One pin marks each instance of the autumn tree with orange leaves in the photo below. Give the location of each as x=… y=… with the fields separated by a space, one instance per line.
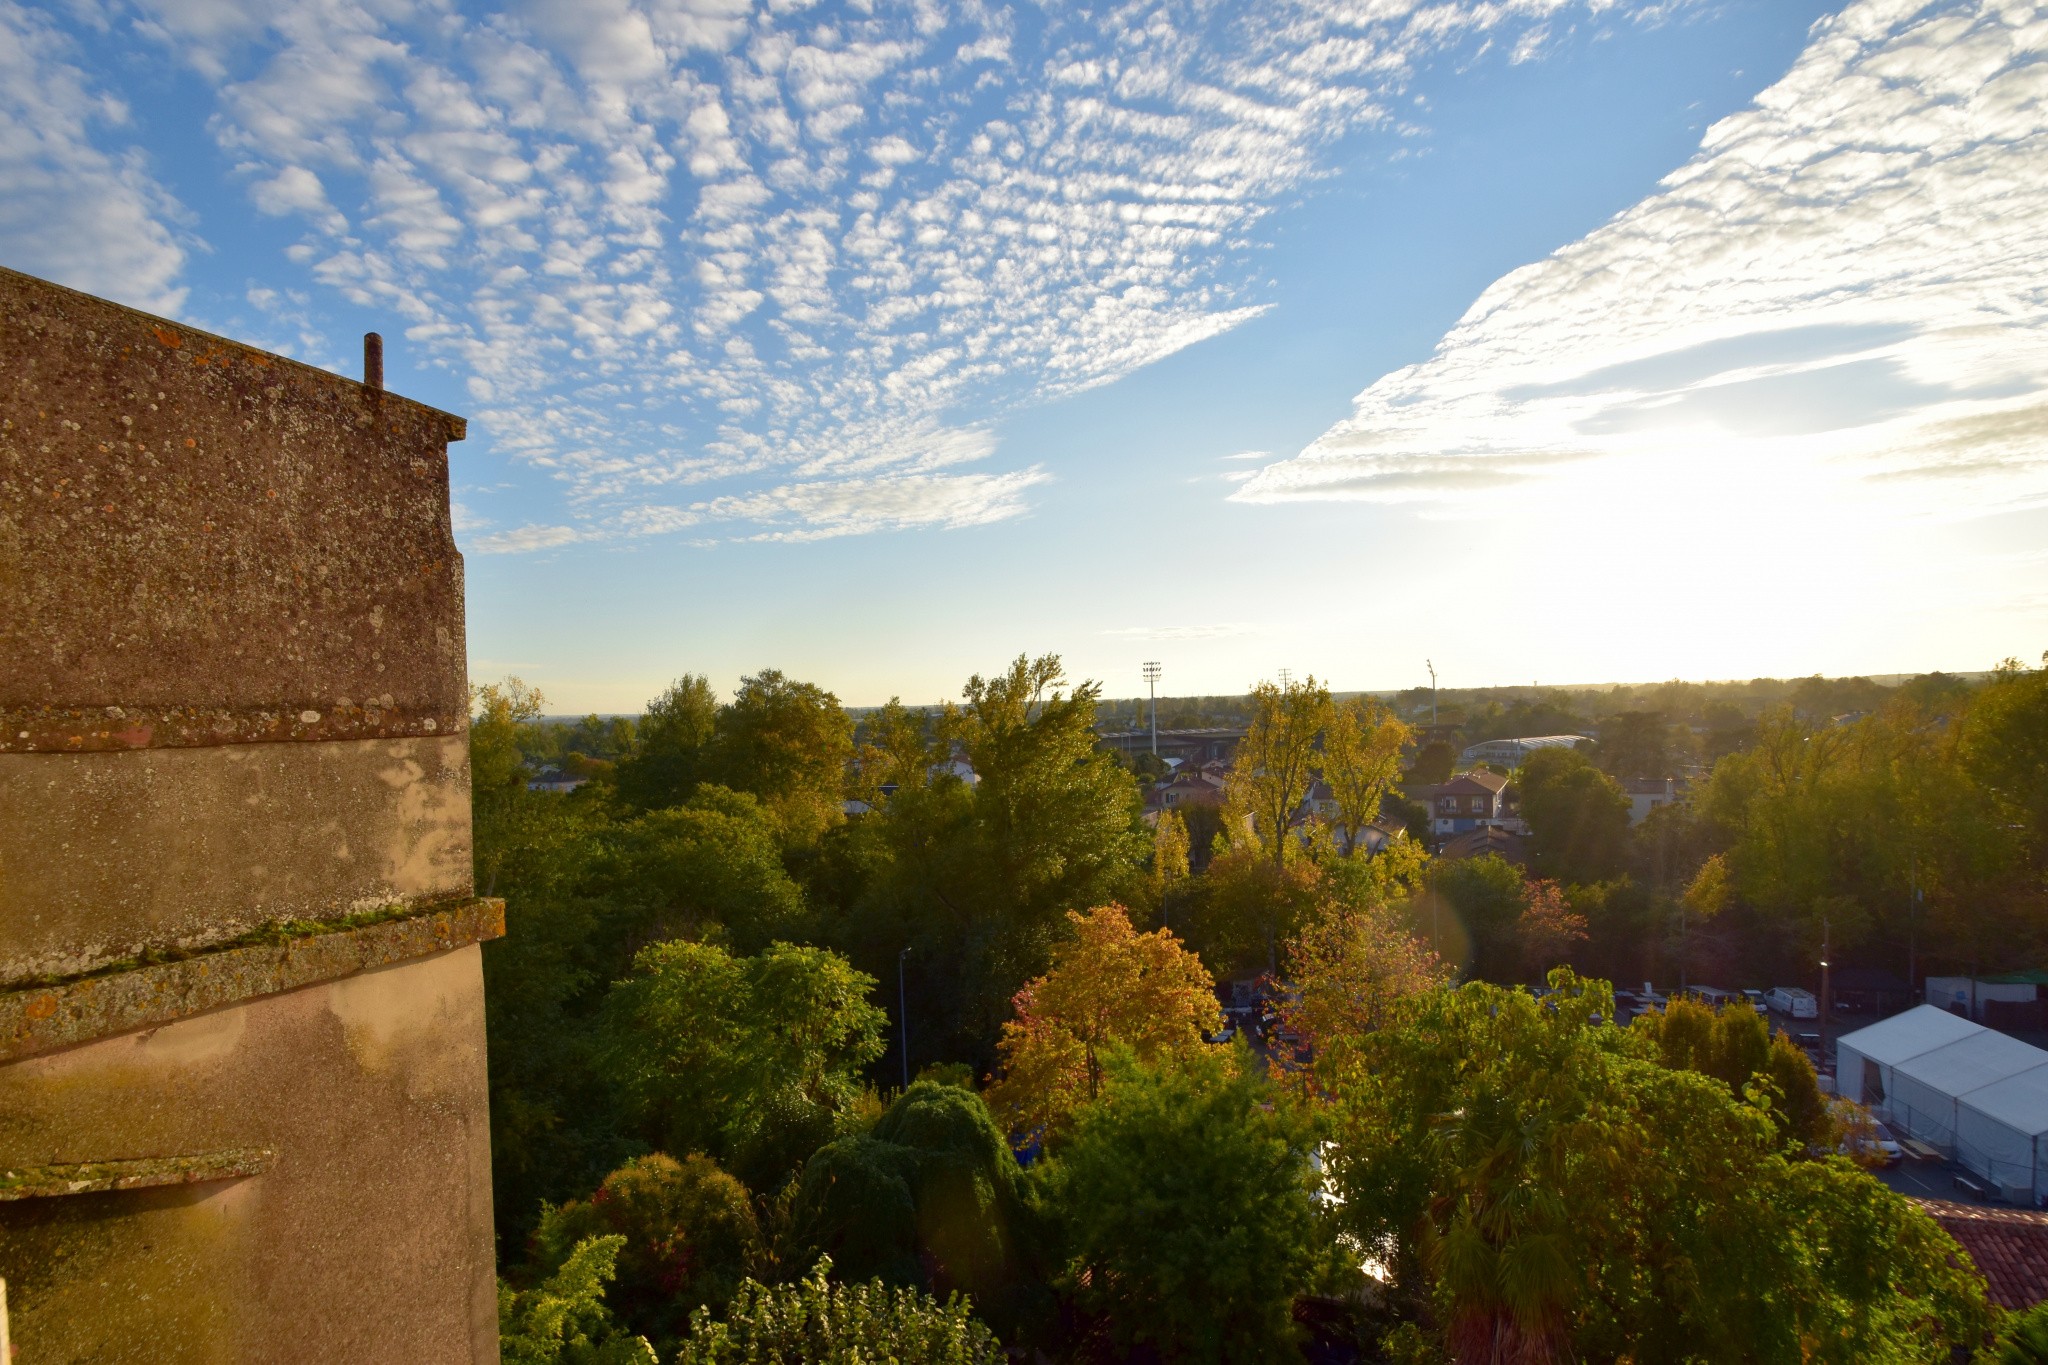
x=1109 y=986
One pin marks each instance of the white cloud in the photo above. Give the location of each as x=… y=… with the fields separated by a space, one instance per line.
x=1845 y=281
x=69 y=210
x=811 y=255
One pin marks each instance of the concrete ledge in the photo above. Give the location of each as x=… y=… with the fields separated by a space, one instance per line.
x=105 y=729
x=43 y=1018
x=139 y=1173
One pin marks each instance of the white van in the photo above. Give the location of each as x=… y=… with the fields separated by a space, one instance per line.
x=1793 y=1002
x=1714 y=996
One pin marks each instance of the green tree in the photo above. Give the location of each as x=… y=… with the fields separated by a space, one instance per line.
x=1274 y=765
x=1169 y=863
x=821 y=1323
x=670 y=742
x=2005 y=746
x=1542 y=1187
x=690 y=1238
x=564 y=1321
x=714 y=861
x=929 y=1198
x=1434 y=763
x=1578 y=817
x=1471 y=909
x=788 y=743
x=1635 y=744
x=747 y=1058
x=1184 y=1199
x=1361 y=761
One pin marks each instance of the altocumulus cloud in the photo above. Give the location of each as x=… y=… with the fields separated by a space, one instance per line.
x=797 y=260
x=1853 y=274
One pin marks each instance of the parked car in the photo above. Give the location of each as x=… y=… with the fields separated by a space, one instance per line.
x=1867 y=1142
x=1793 y=1002
x=1755 y=997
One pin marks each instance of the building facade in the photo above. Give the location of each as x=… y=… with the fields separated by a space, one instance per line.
x=243 y=1104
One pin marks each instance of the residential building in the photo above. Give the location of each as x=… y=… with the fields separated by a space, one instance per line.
x=1469 y=801
x=1645 y=794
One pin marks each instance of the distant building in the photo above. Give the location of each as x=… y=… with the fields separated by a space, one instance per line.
x=1186 y=788
x=1469 y=801
x=1513 y=753
x=1645 y=794
x=1477 y=843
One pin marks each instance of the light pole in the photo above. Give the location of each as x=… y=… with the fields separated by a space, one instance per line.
x=903 y=1016
x=1152 y=690
x=1827 y=998
x=1432 y=692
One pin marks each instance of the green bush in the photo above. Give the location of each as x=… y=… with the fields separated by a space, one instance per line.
x=690 y=1238
x=819 y=1323
x=564 y=1320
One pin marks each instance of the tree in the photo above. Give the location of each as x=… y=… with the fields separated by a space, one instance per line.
x=1635 y=744
x=1543 y=1187
x=1361 y=761
x=500 y=713
x=788 y=743
x=895 y=751
x=1350 y=969
x=929 y=1198
x=1169 y=861
x=1578 y=817
x=1183 y=1196
x=821 y=1323
x=670 y=742
x=689 y=1237
x=1275 y=764
x=2005 y=746
x=1109 y=986
x=1735 y=1046
x=748 y=1058
x=564 y=1321
x=1549 y=929
x=712 y=862
x=1434 y=763
x=1472 y=908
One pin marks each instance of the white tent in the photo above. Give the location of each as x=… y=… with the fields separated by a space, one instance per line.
x=1864 y=1059
x=1927 y=1090
x=2002 y=1132
x=1969 y=1090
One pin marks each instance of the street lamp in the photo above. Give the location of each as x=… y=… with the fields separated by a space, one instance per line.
x=1151 y=689
x=903 y=1016
x=1827 y=997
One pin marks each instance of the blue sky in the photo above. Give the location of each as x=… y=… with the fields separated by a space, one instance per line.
x=1553 y=340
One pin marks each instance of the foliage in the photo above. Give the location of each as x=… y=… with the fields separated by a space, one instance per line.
x=713 y=863
x=1361 y=761
x=1169 y=862
x=1109 y=986
x=2023 y=1337
x=1350 y=969
x=788 y=743
x=1472 y=908
x=1184 y=1200
x=821 y=1323
x=928 y=1198
x=670 y=744
x=2005 y=747
x=746 y=1058
x=564 y=1321
x=690 y=1237
x=1735 y=1046
x=1549 y=928
x=1274 y=765
x=1545 y=1188
x=1578 y=816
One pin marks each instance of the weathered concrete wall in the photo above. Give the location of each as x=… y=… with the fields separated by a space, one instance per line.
x=233 y=705
x=108 y=854
x=362 y=1239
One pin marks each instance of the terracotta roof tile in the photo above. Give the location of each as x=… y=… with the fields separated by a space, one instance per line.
x=2010 y=1247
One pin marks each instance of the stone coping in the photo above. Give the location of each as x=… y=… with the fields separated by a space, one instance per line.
x=137 y=1173
x=107 y=729
x=36 y=1019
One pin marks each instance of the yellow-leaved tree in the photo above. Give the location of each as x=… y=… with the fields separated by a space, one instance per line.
x=1361 y=762
x=1110 y=986
x=1274 y=766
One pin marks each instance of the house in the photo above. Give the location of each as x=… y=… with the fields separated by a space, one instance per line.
x=2010 y=1247
x=1185 y=788
x=1645 y=794
x=553 y=779
x=1467 y=802
x=1477 y=843
x=1512 y=753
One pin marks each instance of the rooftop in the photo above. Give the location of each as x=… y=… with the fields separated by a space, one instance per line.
x=2010 y=1247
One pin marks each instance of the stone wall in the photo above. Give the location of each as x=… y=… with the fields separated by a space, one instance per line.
x=243 y=1107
